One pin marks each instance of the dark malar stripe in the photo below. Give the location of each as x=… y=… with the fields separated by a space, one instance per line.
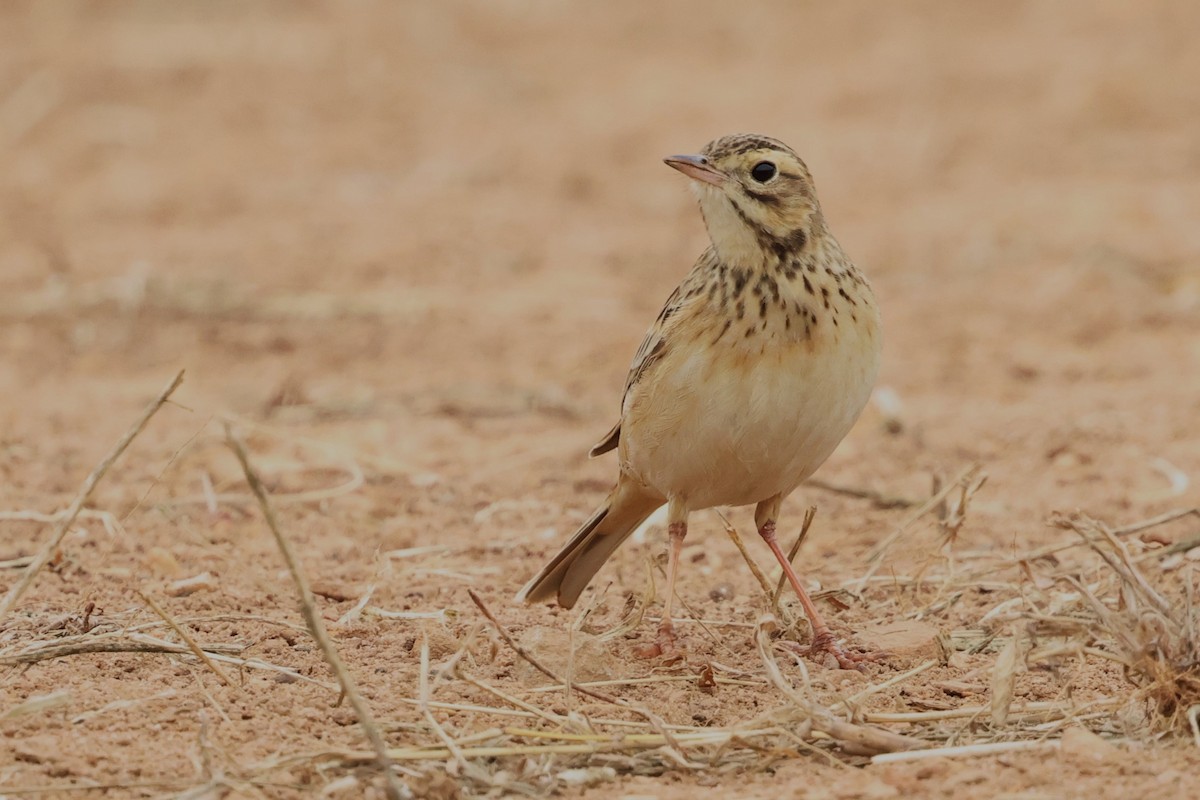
x=786 y=246
x=796 y=240
x=759 y=230
x=781 y=246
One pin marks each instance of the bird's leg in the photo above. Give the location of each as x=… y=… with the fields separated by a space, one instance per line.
x=665 y=644
x=823 y=639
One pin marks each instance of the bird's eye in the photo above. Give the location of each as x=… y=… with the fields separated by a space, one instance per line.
x=763 y=171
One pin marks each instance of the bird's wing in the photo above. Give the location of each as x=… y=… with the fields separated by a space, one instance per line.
x=609 y=442
x=651 y=350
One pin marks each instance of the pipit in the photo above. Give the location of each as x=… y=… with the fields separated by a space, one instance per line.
x=756 y=368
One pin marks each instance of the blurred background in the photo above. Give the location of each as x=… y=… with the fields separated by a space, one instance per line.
x=451 y=220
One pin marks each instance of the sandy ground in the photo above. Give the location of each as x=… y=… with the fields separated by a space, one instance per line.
x=410 y=249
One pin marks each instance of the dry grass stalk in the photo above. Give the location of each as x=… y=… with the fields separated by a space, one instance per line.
x=316 y=624
x=187 y=639
x=108 y=643
x=652 y=679
x=112 y=525
x=37 y=704
x=953 y=512
x=967 y=750
x=655 y=721
x=126 y=786
x=877 y=498
x=573 y=744
x=857 y=738
x=810 y=513
x=282 y=623
x=44 y=555
x=465 y=767
x=1038 y=710
x=789 y=619
x=332 y=459
x=858 y=697
x=1004 y=677
x=876 y=556
x=759 y=575
x=1125 y=530
x=526 y=709
x=130 y=640
x=120 y=705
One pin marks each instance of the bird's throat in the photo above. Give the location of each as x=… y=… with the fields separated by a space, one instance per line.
x=736 y=241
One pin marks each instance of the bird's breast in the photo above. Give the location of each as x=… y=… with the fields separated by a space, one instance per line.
x=741 y=409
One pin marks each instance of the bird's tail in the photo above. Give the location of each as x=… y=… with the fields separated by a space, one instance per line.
x=569 y=572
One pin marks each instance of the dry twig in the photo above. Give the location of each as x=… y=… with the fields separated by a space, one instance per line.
x=108 y=643
x=809 y=514
x=968 y=750
x=89 y=485
x=316 y=624
x=187 y=639
x=877 y=498
x=880 y=550
x=860 y=738
x=655 y=721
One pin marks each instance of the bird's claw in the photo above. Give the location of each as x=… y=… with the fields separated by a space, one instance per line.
x=666 y=647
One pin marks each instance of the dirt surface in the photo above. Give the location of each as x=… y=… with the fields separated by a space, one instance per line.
x=410 y=249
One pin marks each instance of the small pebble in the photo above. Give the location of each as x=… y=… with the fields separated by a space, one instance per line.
x=1080 y=744
x=204 y=582
x=722 y=591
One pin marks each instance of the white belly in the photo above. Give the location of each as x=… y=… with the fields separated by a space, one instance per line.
x=730 y=426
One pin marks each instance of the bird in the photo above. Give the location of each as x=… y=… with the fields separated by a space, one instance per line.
x=758 y=365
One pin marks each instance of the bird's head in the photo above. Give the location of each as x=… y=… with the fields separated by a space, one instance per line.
x=756 y=195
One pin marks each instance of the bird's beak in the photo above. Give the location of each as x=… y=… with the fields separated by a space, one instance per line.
x=697 y=168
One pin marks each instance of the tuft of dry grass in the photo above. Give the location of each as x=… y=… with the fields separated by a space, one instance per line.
x=1156 y=637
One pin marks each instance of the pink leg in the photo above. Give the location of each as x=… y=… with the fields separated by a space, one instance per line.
x=665 y=644
x=823 y=639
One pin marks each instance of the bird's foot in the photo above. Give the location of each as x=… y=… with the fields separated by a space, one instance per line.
x=666 y=646
x=825 y=643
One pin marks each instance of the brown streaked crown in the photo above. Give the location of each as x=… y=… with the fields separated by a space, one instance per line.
x=738 y=143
